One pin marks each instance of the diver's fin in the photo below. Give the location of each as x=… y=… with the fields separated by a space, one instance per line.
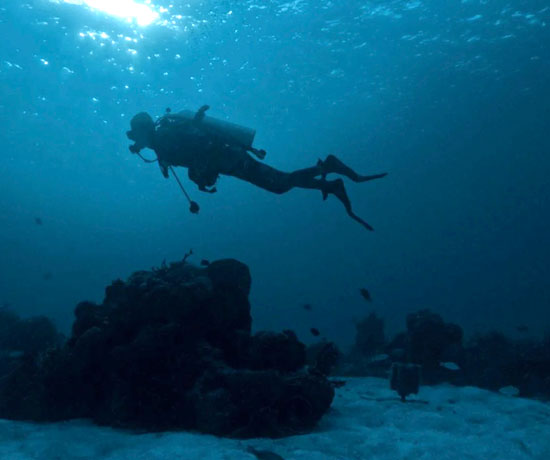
x=361 y=221
x=334 y=165
x=374 y=176
x=339 y=191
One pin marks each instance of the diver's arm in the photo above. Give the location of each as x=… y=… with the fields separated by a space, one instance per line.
x=198 y=178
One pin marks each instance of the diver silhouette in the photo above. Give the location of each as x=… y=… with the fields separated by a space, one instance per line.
x=208 y=147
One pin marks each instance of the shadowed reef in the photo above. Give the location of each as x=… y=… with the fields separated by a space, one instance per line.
x=171 y=348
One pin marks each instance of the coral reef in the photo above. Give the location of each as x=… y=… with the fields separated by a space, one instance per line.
x=323 y=357
x=171 y=348
x=431 y=341
x=370 y=338
x=492 y=361
x=368 y=354
x=20 y=338
x=26 y=335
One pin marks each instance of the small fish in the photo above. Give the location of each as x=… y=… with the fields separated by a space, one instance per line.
x=47 y=276
x=522 y=328
x=307 y=306
x=205 y=263
x=509 y=391
x=366 y=294
x=38 y=221
x=450 y=366
x=264 y=454
x=315 y=332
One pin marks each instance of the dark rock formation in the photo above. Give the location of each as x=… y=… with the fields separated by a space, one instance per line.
x=24 y=338
x=490 y=361
x=171 y=348
x=370 y=338
x=281 y=352
x=28 y=336
x=323 y=357
x=428 y=342
x=431 y=341
x=368 y=354
x=494 y=361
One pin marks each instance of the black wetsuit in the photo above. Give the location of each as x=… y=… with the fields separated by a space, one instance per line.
x=185 y=143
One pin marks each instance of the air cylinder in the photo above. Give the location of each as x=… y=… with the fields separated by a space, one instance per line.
x=231 y=133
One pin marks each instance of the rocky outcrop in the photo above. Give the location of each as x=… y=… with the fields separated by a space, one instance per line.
x=171 y=348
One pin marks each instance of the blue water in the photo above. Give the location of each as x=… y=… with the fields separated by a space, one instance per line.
x=450 y=97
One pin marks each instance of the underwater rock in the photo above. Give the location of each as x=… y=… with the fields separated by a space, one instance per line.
x=488 y=359
x=323 y=357
x=370 y=343
x=282 y=352
x=431 y=341
x=170 y=348
x=491 y=361
x=494 y=361
x=29 y=335
x=370 y=338
x=246 y=404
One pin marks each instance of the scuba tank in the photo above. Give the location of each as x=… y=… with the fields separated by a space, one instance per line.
x=230 y=133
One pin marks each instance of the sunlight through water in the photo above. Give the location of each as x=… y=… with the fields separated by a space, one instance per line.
x=130 y=10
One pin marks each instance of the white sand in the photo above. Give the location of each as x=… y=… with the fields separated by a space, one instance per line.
x=458 y=423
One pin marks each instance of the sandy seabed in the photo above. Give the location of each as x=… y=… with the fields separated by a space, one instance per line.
x=366 y=421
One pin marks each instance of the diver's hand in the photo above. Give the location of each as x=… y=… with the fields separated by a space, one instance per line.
x=202 y=188
x=134 y=148
x=259 y=153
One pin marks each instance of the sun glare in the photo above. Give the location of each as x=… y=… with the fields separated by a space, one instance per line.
x=129 y=10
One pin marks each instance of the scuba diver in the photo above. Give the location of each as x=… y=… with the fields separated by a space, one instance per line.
x=208 y=147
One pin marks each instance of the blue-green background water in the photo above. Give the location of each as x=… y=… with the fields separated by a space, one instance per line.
x=450 y=97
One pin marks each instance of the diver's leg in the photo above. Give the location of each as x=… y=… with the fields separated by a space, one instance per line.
x=273 y=180
x=260 y=175
x=306 y=177
x=334 y=165
x=276 y=181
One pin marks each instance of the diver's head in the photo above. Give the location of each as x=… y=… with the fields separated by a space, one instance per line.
x=143 y=129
